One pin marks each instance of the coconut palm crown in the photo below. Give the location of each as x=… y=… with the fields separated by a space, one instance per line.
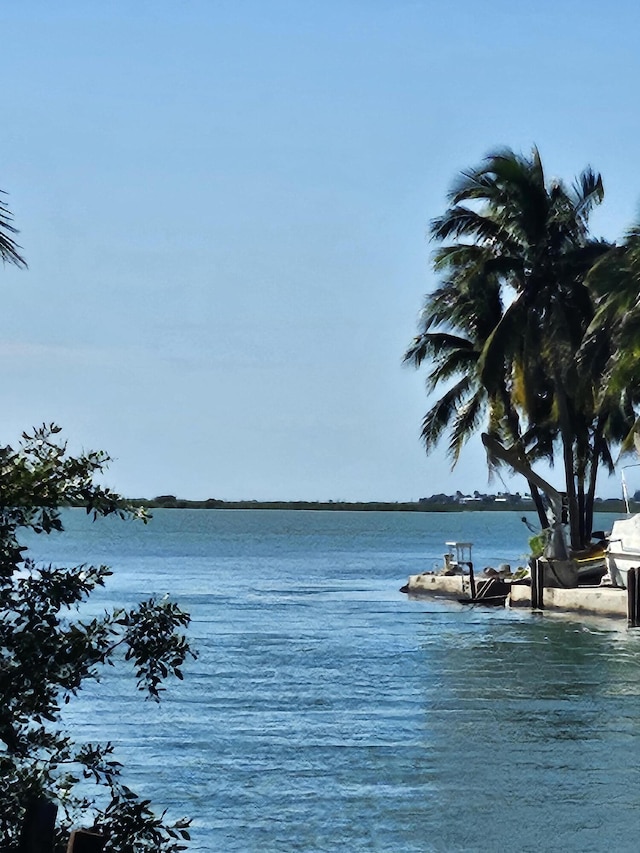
x=503 y=329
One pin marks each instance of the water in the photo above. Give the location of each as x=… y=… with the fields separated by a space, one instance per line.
x=329 y=712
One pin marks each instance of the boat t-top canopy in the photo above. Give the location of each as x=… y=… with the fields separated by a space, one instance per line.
x=462 y=551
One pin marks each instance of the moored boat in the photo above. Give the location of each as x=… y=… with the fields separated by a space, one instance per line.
x=490 y=591
x=623 y=550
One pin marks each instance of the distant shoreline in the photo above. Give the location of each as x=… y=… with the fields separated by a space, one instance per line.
x=610 y=505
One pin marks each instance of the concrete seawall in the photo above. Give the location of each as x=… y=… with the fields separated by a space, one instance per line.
x=444 y=586
x=595 y=600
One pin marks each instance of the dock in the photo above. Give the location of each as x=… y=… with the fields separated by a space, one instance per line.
x=546 y=585
x=594 y=600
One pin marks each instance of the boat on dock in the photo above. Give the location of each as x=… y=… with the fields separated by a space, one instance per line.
x=623 y=550
x=490 y=590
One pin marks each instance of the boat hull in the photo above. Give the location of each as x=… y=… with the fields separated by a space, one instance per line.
x=618 y=565
x=623 y=550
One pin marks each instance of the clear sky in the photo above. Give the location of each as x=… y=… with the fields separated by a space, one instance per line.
x=224 y=208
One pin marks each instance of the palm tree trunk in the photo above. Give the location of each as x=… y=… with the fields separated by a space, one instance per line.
x=566 y=434
x=536 y=497
x=593 y=476
x=514 y=426
x=515 y=461
x=581 y=507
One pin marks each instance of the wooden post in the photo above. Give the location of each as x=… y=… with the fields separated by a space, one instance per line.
x=38 y=827
x=537 y=585
x=534 y=585
x=541 y=576
x=472 y=580
x=632 y=598
x=82 y=841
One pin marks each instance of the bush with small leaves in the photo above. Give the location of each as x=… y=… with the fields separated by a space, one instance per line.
x=47 y=653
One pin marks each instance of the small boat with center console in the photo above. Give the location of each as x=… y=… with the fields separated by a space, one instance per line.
x=489 y=591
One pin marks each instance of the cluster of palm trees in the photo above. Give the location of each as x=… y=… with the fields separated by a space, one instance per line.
x=533 y=333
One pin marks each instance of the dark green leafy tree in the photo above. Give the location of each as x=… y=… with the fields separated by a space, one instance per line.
x=511 y=232
x=48 y=651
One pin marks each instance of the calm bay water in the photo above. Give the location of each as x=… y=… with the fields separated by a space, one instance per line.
x=329 y=712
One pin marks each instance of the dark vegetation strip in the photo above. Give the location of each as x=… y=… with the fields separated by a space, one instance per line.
x=611 y=505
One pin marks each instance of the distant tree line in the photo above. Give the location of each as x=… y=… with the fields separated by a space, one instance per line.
x=433 y=503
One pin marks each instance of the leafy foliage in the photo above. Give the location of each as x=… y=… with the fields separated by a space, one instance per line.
x=48 y=651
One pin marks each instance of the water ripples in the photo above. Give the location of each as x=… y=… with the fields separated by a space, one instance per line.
x=328 y=712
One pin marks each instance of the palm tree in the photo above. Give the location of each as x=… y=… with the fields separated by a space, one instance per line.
x=611 y=347
x=614 y=282
x=9 y=249
x=456 y=323
x=533 y=238
x=468 y=305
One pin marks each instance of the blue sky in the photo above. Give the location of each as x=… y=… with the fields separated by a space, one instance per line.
x=224 y=208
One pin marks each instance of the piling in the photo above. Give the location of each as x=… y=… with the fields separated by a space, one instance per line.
x=38 y=827
x=537 y=585
x=633 y=597
x=472 y=580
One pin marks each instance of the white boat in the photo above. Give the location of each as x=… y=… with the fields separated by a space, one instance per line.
x=623 y=550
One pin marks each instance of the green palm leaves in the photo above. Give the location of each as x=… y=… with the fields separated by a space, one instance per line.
x=9 y=249
x=523 y=288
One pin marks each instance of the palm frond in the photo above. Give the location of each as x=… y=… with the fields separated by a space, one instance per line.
x=466 y=424
x=501 y=343
x=433 y=345
x=588 y=192
x=613 y=275
x=461 y=221
x=9 y=249
x=461 y=256
x=606 y=458
x=457 y=362
x=500 y=169
x=442 y=414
